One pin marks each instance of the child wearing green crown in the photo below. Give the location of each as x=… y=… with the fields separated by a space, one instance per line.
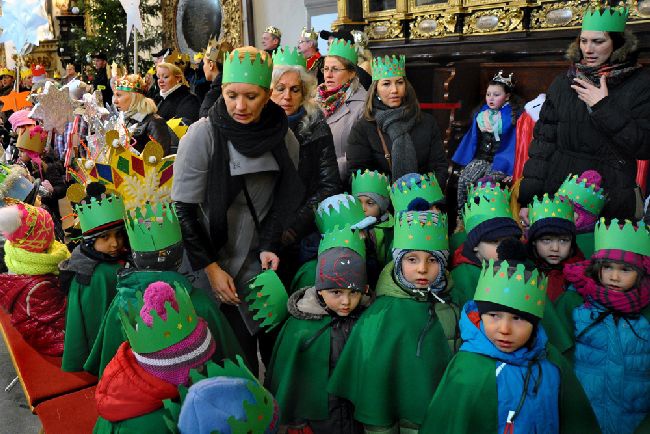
x=398 y=350
x=311 y=341
x=534 y=389
x=90 y=275
x=607 y=308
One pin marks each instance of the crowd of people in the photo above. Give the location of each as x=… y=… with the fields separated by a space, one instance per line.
x=215 y=247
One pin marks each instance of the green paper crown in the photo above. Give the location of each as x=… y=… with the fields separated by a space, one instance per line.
x=346 y=211
x=498 y=284
x=605 y=20
x=268 y=299
x=95 y=213
x=162 y=333
x=591 y=198
x=559 y=207
x=346 y=237
x=421 y=230
x=344 y=49
x=370 y=182
x=403 y=194
x=260 y=415
x=153 y=228
x=627 y=238
x=289 y=56
x=493 y=202
x=387 y=67
x=252 y=70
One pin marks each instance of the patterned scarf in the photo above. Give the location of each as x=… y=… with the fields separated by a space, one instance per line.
x=631 y=301
x=331 y=100
x=489 y=121
x=614 y=73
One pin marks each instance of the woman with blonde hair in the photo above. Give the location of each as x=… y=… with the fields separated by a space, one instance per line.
x=140 y=115
x=177 y=100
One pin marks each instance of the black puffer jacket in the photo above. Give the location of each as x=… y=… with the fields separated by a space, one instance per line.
x=365 y=150
x=156 y=127
x=318 y=170
x=569 y=139
x=181 y=103
x=211 y=96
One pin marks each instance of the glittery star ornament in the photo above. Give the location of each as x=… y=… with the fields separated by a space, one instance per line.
x=54 y=108
x=133 y=18
x=22 y=23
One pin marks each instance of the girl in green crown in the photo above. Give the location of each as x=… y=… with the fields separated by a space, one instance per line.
x=398 y=350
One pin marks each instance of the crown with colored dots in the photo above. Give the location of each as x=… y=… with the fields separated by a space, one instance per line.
x=153 y=227
x=370 y=182
x=421 y=230
x=402 y=193
x=559 y=207
x=511 y=286
x=387 y=67
x=268 y=299
x=592 y=198
x=625 y=236
x=251 y=69
x=162 y=333
x=485 y=202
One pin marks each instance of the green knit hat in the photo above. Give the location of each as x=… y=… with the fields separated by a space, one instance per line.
x=625 y=236
x=268 y=299
x=514 y=287
x=421 y=230
x=252 y=69
x=289 y=56
x=387 y=67
x=153 y=227
x=606 y=19
x=370 y=182
x=485 y=202
x=344 y=49
x=425 y=187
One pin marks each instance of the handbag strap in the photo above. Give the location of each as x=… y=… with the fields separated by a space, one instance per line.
x=383 y=145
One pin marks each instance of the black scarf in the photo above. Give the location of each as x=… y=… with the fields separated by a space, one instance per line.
x=251 y=140
x=613 y=72
x=398 y=123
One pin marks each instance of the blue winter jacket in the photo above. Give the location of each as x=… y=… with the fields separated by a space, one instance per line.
x=540 y=410
x=613 y=365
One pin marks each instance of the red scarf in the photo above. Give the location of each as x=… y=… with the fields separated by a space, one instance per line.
x=331 y=100
x=556 y=281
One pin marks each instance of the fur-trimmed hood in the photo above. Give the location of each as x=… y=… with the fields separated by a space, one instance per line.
x=304 y=304
x=627 y=52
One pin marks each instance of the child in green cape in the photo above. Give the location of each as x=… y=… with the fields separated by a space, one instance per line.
x=399 y=348
x=507 y=377
x=312 y=339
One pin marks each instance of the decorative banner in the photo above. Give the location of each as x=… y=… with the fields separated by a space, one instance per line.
x=133 y=18
x=23 y=22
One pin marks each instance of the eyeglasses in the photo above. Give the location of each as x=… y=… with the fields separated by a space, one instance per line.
x=333 y=70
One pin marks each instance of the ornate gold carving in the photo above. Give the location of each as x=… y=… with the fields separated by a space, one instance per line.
x=494 y=20
x=560 y=14
x=433 y=26
x=443 y=6
x=390 y=29
x=640 y=10
x=401 y=7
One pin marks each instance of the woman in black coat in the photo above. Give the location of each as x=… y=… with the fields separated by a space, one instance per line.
x=177 y=100
x=412 y=138
x=596 y=116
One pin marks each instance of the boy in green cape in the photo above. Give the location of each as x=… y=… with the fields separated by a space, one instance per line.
x=506 y=377
x=311 y=341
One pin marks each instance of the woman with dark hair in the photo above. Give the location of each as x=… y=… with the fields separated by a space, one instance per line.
x=394 y=137
x=235 y=188
x=596 y=117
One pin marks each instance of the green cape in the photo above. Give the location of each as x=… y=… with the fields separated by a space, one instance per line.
x=379 y=371
x=111 y=335
x=148 y=423
x=86 y=307
x=466 y=399
x=384 y=235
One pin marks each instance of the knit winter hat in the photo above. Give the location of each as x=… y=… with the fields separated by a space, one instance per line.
x=20 y=119
x=27 y=227
x=374 y=185
x=166 y=317
x=587 y=196
x=341 y=261
x=550 y=216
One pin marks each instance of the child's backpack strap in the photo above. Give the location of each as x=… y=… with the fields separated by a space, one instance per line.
x=448 y=314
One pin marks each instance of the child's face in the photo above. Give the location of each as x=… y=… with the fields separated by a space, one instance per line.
x=420 y=268
x=508 y=332
x=341 y=300
x=110 y=242
x=617 y=276
x=553 y=248
x=496 y=96
x=370 y=207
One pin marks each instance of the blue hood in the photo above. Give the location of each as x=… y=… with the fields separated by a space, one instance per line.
x=476 y=341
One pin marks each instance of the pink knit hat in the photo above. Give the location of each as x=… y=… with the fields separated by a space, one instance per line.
x=585 y=221
x=173 y=363
x=27 y=227
x=20 y=119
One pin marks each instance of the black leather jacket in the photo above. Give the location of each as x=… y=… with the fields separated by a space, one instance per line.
x=156 y=127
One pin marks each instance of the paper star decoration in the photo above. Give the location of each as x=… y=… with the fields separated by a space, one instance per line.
x=15 y=101
x=55 y=108
x=21 y=22
x=133 y=18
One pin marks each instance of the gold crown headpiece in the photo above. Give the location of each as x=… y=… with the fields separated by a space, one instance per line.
x=217 y=49
x=506 y=81
x=274 y=31
x=309 y=34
